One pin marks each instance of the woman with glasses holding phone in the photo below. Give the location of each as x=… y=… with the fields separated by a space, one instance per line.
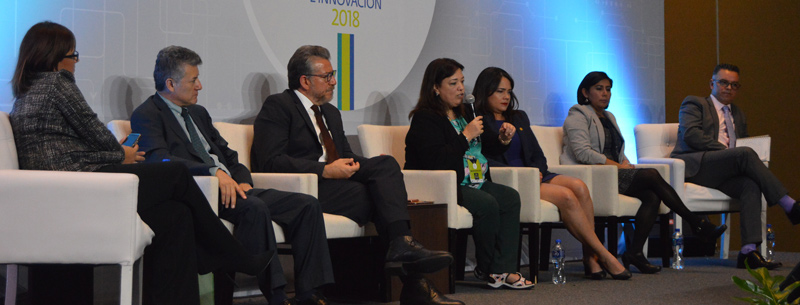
x=55 y=129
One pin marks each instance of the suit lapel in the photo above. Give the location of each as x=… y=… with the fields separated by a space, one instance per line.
x=302 y=110
x=714 y=116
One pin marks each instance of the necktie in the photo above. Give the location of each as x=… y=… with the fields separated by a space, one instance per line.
x=195 y=138
x=327 y=141
x=729 y=126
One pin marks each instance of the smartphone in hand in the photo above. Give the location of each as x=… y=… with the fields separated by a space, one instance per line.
x=132 y=140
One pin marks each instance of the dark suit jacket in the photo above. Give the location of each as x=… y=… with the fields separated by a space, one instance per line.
x=285 y=141
x=163 y=138
x=698 y=131
x=532 y=154
x=433 y=144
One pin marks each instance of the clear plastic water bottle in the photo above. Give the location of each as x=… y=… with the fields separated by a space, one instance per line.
x=557 y=258
x=677 y=247
x=770 y=255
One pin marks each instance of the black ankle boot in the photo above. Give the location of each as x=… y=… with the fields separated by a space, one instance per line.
x=708 y=232
x=640 y=262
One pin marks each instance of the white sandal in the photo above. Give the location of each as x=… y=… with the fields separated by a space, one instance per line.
x=521 y=283
x=497 y=280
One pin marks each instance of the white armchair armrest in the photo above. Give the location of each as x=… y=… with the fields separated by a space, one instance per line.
x=677 y=171
x=582 y=172
x=438 y=186
x=604 y=189
x=210 y=187
x=526 y=181
x=70 y=217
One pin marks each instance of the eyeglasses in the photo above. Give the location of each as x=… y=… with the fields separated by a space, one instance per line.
x=724 y=84
x=326 y=76
x=73 y=56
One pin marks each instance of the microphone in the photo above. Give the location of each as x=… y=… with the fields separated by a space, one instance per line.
x=470 y=100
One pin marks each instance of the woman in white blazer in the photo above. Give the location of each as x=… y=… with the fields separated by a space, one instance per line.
x=591 y=136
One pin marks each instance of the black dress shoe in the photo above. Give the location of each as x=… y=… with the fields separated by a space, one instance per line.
x=708 y=232
x=407 y=256
x=640 y=262
x=794 y=214
x=316 y=299
x=755 y=261
x=421 y=292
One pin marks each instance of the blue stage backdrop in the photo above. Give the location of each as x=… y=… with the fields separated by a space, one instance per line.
x=547 y=46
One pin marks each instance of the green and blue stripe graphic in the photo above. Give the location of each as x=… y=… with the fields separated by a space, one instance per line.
x=346 y=91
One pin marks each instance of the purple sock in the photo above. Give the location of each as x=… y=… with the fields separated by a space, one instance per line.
x=786 y=203
x=746 y=249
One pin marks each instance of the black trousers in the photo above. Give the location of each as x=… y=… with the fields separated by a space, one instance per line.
x=300 y=216
x=375 y=192
x=189 y=238
x=739 y=173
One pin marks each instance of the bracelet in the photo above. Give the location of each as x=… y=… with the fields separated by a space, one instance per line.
x=504 y=142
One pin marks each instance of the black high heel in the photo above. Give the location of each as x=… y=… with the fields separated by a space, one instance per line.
x=640 y=262
x=587 y=271
x=708 y=232
x=624 y=275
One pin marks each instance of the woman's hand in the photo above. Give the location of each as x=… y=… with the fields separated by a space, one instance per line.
x=506 y=132
x=474 y=129
x=623 y=165
x=132 y=154
x=626 y=164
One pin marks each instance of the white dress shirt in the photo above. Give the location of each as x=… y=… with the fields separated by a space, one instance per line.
x=307 y=105
x=723 y=134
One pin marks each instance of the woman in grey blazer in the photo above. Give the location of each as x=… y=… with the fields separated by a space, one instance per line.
x=591 y=136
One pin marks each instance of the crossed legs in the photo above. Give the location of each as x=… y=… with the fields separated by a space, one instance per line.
x=572 y=198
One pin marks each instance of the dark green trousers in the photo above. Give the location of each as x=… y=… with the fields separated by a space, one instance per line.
x=495 y=222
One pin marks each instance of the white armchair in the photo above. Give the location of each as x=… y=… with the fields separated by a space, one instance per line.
x=52 y=217
x=608 y=203
x=390 y=140
x=208 y=184
x=654 y=143
x=240 y=139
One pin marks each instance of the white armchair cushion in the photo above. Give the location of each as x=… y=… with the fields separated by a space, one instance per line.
x=8 y=149
x=526 y=181
x=70 y=217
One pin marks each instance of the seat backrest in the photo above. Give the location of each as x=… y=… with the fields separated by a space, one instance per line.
x=120 y=128
x=379 y=140
x=551 y=139
x=8 y=149
x=239 y=138
x=655 y=140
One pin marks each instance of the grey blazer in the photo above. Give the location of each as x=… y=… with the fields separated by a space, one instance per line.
x=584 y=137
x=698 y=131
x=55 y=129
